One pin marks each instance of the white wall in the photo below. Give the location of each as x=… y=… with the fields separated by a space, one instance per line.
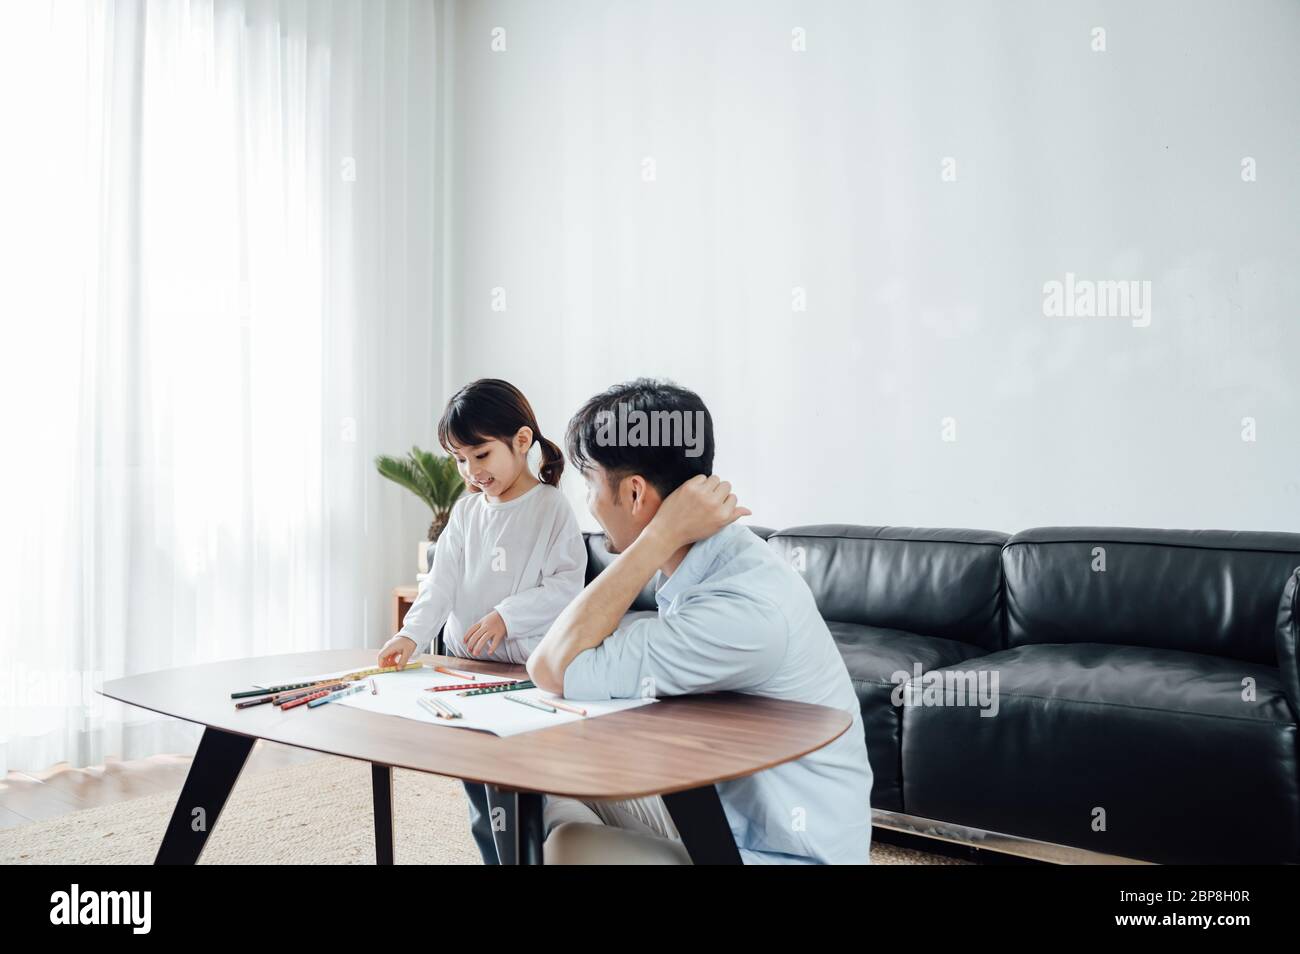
x=821 y=169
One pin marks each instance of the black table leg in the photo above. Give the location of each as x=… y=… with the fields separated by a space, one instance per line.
x=700 y=820
x=213 y=773
x=529 y=825
x=381 y=779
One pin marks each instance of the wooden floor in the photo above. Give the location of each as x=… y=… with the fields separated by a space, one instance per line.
x=35 y=796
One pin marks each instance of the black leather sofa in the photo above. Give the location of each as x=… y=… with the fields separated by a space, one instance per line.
x=1146 y=680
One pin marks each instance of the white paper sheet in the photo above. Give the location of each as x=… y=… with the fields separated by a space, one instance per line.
x=493 y=713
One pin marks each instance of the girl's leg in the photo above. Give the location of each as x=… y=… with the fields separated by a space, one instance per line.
x=480 y=821
x=501 y=809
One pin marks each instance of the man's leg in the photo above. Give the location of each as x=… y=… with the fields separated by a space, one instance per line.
x=636 y=832
x=647 y=816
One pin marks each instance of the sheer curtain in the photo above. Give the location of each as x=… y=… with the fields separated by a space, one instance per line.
x=220 y=303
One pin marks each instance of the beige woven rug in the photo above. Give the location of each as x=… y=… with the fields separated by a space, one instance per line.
x=314 y=813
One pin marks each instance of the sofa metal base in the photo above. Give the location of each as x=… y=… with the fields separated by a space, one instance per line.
x=994 y=841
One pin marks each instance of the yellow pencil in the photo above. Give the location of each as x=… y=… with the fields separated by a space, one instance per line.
x=362 y=673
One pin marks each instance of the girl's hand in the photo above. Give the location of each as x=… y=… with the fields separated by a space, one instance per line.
x=486 y=635
x=396 y=652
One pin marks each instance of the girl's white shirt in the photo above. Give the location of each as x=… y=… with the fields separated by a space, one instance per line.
x=524 y=558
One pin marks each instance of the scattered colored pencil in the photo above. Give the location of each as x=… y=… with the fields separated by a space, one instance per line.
x=471 y=685
x=507 y=687
x=281 y=699
x=455 y=672
x=562 y=705
x=319 y=694
x=533 y=703
x=348 y=677
x=443 y=710
x=339 y=694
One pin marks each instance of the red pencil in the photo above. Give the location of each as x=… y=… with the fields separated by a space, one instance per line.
x=300 y=701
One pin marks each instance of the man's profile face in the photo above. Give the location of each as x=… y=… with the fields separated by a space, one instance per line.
x=623 y=518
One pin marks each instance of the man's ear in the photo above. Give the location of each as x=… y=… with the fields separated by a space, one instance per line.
x=636 y=492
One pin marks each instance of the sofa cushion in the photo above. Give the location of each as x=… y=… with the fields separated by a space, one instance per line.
x=934 y=582
x=872 y=656
x=1186 y=765
x=1202 y=591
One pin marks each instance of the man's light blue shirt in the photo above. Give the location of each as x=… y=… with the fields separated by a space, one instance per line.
x=734 y=616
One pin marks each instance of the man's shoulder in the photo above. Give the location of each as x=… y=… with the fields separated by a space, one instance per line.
x=743 y=550
x=743 y=564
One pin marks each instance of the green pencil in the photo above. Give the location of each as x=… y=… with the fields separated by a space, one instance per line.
x=521 y=684
x=545 y=707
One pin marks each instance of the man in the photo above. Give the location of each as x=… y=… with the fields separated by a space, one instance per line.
x=731 y=616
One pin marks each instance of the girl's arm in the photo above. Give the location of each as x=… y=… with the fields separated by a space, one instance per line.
x=437 y=593
x=533 y=610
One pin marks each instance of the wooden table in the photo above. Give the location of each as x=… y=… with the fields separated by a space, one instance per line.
x=678 y=748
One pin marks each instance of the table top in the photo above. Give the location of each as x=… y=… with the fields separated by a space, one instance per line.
x=676 y=744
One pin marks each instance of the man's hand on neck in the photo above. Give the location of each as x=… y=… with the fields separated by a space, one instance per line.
x=697 y=509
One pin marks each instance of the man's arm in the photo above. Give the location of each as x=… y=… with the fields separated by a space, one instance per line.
x=590 y=618
x=697 y=509
x=713 y=638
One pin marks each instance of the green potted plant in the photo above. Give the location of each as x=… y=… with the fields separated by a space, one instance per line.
x=431 y=477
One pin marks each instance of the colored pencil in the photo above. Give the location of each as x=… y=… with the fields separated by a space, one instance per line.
x=545 y=707
x=564 y=705
x=319 y=694
x=349 y=677
x=339 y=694
x=281 y=699
x=269 y=690
x=507 y=687
x=455 y=672
x=471 y=685
x=442 y=710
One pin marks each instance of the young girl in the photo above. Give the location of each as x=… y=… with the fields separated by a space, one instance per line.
x=509 y=561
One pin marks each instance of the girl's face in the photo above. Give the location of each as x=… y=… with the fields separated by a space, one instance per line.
x=493 y=466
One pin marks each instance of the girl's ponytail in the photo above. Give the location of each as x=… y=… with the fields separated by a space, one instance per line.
x=552 y=462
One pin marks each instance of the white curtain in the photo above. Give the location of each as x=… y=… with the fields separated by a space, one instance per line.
x=219 y=304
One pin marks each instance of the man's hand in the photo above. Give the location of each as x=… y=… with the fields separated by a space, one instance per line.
x=396 y=652
x=486 y=635
x=697 y=509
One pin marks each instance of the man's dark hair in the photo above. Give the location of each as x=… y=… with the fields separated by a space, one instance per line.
x=665 y=468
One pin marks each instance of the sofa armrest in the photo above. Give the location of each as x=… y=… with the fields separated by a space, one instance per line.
x=1288 y=640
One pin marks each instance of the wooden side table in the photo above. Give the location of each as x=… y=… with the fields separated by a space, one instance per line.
x=403 y=597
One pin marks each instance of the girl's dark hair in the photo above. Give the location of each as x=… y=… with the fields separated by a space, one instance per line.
x=492 y=409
